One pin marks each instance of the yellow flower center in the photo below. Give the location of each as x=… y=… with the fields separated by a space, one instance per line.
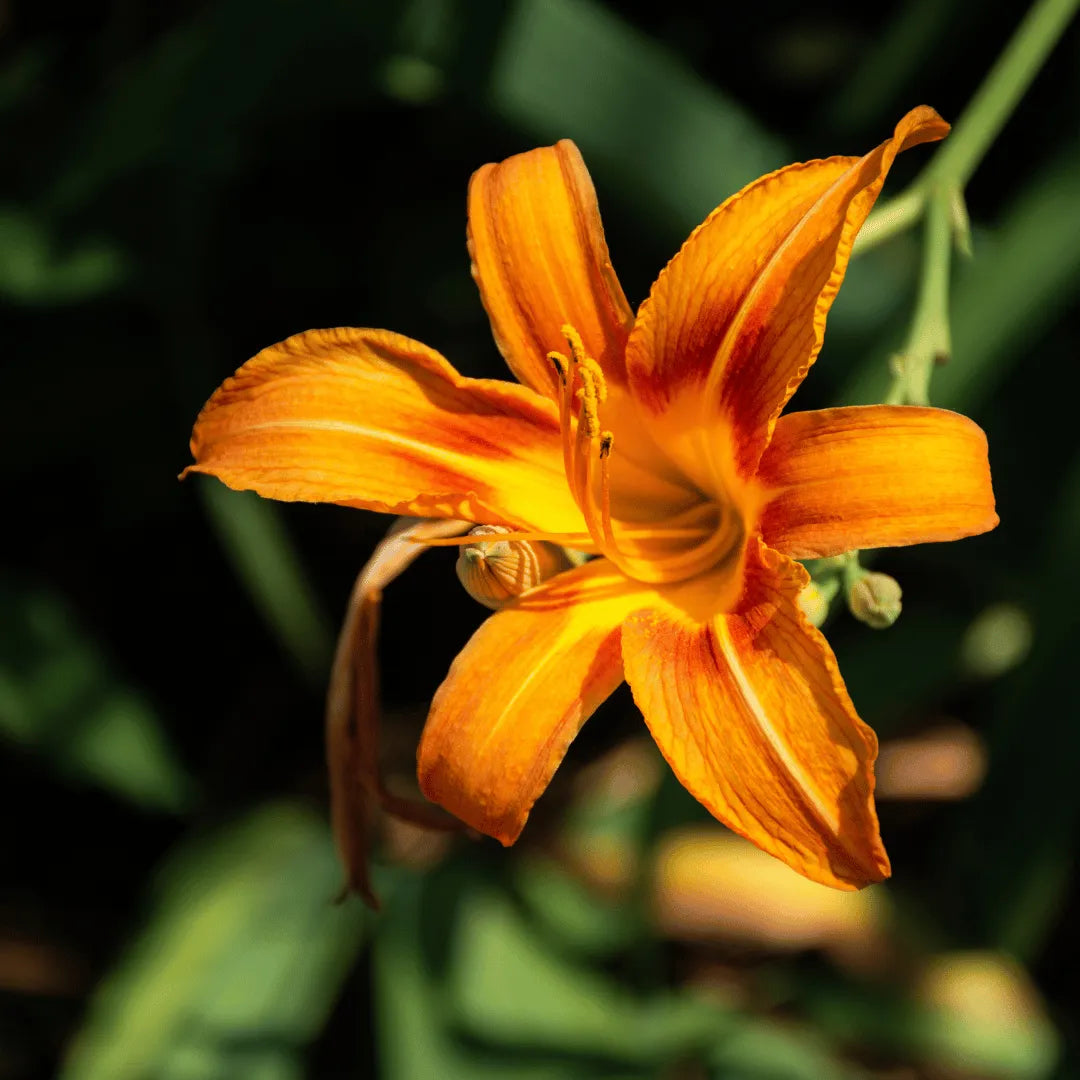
x=674 y=548
x=662 y=547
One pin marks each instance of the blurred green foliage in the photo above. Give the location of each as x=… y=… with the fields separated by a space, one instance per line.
x=238 y=964
x=187 y=183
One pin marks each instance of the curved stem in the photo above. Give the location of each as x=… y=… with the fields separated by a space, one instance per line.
x=987 y=113
x=929 y=341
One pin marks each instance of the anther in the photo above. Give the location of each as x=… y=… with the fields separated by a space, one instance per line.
x=561 y=363
x=607 y=441
x=594 y=369
x=573 y=339
x=587 y=395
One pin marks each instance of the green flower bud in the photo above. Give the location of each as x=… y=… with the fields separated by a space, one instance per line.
x=874 y=599
x=814 y=604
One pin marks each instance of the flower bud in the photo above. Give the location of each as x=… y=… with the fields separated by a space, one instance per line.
x=814 y=603
x=874 y=599
x=495 y=571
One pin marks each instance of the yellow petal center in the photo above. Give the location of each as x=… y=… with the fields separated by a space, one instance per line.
x=658 y=550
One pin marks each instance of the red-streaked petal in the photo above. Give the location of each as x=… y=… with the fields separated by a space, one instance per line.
x=874 y=476
x=540 y=259
x=751 y=713
x=519 y=692
x=736 y=319
x=372 y=419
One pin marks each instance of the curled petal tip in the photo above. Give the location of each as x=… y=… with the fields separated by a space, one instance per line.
x=921 y=124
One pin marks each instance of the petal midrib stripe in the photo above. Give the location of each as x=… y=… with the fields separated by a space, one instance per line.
x=421 y=450
x=779 y=746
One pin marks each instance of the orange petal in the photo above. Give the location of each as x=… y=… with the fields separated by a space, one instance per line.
x=751 y=713
x=518 y=694
x=736 y=319
x=540 y=259
x=371 y=419
x=352 y=704
x=874 y=476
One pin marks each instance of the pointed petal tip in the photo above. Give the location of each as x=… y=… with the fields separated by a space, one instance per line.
x=921 y=124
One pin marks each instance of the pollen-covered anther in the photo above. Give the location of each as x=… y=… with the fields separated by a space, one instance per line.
x=560 y=363
x=589 y=398
x=596 y=376
x=495 y=571
x=573 y=339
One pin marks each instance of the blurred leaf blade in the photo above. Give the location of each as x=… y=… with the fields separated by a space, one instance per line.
x=59 y=695
x=239 y=962
x=510 y=989
x=251 y=531
x=33 y=270
x=414 y=1024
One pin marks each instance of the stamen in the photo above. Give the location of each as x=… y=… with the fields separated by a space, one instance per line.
x=561 y=364
x=579 y=541
x=573 y=339
x=607 y=441
x=589 y=414
x=596 y=372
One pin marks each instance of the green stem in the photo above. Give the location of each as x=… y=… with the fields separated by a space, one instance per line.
x=1001 y=90
x=987 y=113
x=929 y=342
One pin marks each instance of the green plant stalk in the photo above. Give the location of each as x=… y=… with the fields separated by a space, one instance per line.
x=980 y=123
x=1001 y=90
x=929 y=342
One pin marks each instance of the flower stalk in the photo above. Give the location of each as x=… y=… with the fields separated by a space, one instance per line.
x=979 y=125
x=929 y=341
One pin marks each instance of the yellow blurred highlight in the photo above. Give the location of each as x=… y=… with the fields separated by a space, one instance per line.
x=982 y=987
x=946 y=763
x=991 y=1020
x=714 y=886
x=814 y=603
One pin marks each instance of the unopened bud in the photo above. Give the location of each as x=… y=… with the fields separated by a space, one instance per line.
x=875 y=600
x=495 y=571
x=814 y=604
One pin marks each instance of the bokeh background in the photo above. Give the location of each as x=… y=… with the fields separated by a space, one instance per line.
x=185 y=183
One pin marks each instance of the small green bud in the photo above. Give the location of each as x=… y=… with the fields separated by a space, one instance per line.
x=874 y=599
x=814 y=604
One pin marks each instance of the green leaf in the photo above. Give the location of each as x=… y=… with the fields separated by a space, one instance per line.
x=59 y=695
x=35 y=270
x=239 y=962
x=570 y=913
x=511 y=989
x=265 y=560
x=414 y=1026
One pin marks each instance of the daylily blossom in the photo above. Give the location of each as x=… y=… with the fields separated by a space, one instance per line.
x=656 y=443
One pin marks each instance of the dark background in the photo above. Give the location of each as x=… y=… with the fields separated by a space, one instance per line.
x=184 y=184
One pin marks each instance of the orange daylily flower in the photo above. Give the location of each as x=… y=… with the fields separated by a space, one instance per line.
x=656 y=443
